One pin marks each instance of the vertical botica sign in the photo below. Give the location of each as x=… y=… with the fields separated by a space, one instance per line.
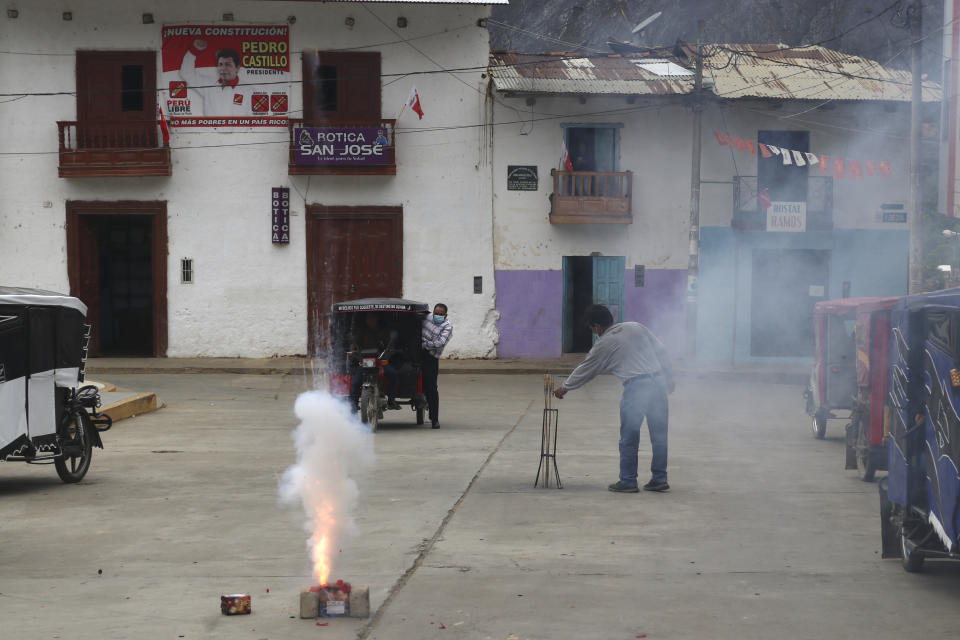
x=280 y=207
x=226 y=75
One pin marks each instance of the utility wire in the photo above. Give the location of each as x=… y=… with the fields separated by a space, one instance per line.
x=398 y=131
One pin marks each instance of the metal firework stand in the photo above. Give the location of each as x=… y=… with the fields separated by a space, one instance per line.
x=548 y=437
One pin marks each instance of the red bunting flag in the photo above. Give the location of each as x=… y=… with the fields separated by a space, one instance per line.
x=842 y=167
x=839 y=168
x=856 y=171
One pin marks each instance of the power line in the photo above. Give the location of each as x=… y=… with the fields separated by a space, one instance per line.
x=399 y=131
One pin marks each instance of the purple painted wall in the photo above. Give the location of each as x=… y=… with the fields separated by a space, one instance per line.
x=531 y=310
x=530 y=305
x=660 y=304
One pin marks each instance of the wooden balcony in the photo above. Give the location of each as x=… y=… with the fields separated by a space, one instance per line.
x=388 y=167
x=101 y=149
x=591 y=197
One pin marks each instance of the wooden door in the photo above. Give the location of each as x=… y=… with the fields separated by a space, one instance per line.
x=85 y=250
x=352 y=252
x=117 y=98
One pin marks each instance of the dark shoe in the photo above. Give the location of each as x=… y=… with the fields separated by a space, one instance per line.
x=656 y=486
x=392 y=404
x=435 y=424
x=620 y=487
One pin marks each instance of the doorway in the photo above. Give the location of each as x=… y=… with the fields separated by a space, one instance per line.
x=116 y=256
x=786 y=285
x=589 y=280
x=352 y=253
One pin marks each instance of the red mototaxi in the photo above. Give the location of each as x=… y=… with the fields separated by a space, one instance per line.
x=833 y=379
x=870 y=421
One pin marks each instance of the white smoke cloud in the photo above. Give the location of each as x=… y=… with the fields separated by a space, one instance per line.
x=332 y=449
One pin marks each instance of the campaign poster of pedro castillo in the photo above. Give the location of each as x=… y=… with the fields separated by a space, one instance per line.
x=225 y=75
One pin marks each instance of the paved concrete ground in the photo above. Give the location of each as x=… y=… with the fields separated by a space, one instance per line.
x=762 y=536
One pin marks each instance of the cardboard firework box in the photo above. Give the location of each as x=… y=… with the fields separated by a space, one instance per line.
x=334 y=600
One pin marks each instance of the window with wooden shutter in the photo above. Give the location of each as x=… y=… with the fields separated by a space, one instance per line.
x=341 y=86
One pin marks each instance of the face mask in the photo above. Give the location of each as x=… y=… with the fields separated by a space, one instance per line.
x=439 y=319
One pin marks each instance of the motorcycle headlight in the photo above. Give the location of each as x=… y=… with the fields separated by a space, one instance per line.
x=369 y=362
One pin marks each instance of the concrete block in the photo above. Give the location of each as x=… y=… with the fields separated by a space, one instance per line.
x=359 y=601
x=309 y=603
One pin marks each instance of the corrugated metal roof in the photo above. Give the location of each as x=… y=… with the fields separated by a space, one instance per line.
x=577 y=74
x=730 y=70
x=804 y=73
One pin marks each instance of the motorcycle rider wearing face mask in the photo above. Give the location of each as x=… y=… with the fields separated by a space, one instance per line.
x=435 y=334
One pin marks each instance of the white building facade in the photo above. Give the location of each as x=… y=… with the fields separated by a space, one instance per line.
x=182 y=248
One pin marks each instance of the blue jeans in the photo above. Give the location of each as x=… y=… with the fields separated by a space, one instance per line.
x=643 y=398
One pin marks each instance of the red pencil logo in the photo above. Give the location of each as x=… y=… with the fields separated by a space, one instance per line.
x=178 y=89
x=278 y=102
x=238 y=98
x=259 y=103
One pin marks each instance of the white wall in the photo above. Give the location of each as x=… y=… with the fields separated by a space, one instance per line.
x=249 y=296
x=654 y=144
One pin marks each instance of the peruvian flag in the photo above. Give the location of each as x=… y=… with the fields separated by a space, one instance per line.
x=565 y=157
x=164 y=129
x=413 y=101
x=764 y=199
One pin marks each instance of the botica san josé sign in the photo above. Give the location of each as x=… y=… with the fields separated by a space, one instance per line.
x=341 y=145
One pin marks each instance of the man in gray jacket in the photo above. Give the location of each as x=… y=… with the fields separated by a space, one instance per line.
x=633 y=354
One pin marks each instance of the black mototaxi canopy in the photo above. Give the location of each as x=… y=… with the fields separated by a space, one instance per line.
x=380 y=304
x=21 y=296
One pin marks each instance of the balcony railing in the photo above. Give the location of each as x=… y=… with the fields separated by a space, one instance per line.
x=386 y=167
x=748 y=215
x=591 y=197
x=97 y=149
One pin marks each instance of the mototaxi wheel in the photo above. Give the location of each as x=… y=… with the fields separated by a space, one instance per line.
x=420 y=415
x=369 y=407
x=76 y=442
x=819 y=426
x=912 y=560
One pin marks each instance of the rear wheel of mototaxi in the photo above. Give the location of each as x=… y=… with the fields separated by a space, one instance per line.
x=819 y=426
x=866 y=464
x=370 y=407
x=910 y=557
x=76 y=444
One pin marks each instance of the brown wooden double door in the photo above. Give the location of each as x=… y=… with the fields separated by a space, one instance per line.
x=117 y=265
x=352 y=253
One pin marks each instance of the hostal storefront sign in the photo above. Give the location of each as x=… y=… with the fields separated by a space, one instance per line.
x=335 y=145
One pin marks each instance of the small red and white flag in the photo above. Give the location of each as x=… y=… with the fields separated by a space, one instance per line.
x=764 y=199
x=565 y=161
x=164 y=129
x=413 y=102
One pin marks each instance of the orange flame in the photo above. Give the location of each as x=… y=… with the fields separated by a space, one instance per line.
x=322 y=534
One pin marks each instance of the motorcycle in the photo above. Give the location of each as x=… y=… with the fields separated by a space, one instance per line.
x=399 y=357
x=46 y=415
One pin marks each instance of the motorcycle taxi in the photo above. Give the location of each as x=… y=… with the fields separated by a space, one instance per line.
x=46 y=415
x=920 y=497
x=399 y=322
x=833 y=379
x=870 y=420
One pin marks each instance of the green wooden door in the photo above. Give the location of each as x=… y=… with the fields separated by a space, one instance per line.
x=608 y=283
